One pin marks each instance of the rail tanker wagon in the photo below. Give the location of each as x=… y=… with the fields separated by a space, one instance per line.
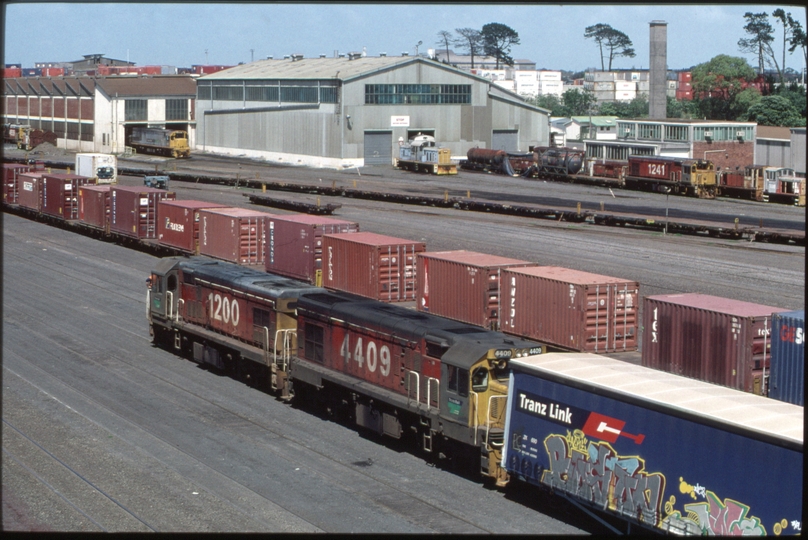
x=371 y=265
x=462 y=285
x=787 y=378
x=102 y=167
x=658 y=450
x=570 y=309
x=233 y=234
x=10 y=172
x=713 y=339
x=133 y=210
x=294 y=244
x=94 y=206
x=179 y=223
x=60 y=195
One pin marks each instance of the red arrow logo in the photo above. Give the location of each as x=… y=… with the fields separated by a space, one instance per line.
x=608 y=429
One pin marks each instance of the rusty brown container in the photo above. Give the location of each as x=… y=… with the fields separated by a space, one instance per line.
x=179 y=223
x=10 y=172
x=463 y=285
x=133 y=210
x=570 y=309
x=717 y=340
x=60 y=195
x=94 y=205
x=294 y=244
x=233 y=234
x=29 y=190
x=371 y=265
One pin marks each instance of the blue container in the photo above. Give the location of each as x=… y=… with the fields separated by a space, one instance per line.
x=666 y=452
x=787 y=377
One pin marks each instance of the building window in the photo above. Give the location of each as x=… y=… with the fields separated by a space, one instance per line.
x=417 y=94
x=228 y=93
x=203 y=92
x=649 y=131
x=177 y=109
x=299 y=94
x=136 y=110
x=676 y=133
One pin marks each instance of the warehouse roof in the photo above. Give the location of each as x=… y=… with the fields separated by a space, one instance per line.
x=121 y=86
x=320 y=68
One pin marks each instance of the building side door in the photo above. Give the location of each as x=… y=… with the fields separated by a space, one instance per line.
x=378 y=148
x=505 y=139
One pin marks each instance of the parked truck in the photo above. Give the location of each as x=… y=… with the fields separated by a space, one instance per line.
x=102 y=167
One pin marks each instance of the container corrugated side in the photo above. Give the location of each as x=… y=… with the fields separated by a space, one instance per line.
x=713 y=339
x=294 y=244
x=462 y=285
x=179 y=223
x=233 y=234
x=371 y=265
x=570 y=309
x=133 y=210
x=787 y=377
x=94 y=205
x=60 y=194
x=10 y=172
x=29 y=190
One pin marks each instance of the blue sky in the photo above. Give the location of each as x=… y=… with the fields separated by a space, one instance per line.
x=184 y=34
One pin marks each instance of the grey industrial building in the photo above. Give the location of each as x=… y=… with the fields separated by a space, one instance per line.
x=356 y=110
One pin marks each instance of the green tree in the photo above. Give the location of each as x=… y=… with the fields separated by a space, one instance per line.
x=445 y=38
x=471 y=40
x=798 y=39
x=612 y=43
x=795 y=93
x=681 y=108
x=578 y=103
x=759 y=42
x=552 y=103
x=497 y=41
x=774 y=111
x=717 y=83
x=788 y=27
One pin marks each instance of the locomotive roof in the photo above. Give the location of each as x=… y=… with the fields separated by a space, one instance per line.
x=465 y=343
x=245 y=279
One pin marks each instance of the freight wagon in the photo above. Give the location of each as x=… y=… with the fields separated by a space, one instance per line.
x=713 y=339
x=165 y=142
x=660 y=451
x=787 y=375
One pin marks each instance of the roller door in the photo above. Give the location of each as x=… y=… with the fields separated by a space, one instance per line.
x=378 y=148
x=505 y=139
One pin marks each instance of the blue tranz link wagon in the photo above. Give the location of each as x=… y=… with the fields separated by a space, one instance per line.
x=658 y=450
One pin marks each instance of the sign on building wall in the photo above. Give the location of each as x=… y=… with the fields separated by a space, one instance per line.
x=399 y=121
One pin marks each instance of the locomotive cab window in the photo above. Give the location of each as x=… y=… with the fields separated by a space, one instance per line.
x=171 y=282
x=458 y=381
x=479 y=380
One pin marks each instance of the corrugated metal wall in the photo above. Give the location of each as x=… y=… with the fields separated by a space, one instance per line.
x=798 y=150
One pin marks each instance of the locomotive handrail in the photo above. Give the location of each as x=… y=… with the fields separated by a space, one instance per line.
x=286 y=348
x=266 y=345
x=411 y=374
x=148 y=306
x=429 y=383
x=475 y=425
x=180 y=302
x=488 y=423
x=170 y=308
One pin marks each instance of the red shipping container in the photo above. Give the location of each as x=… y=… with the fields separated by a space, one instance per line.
x=12 y=73
x=371 y=265
x=294 y=244
x=133 y=210
x=463 y=285
x=10 y=172
x=179 y=223
x=233 y=234
x=712 y=339
x=60 y=194
x=29 y=189
x=94 y=205
x=573 y=310
x=685 y=76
